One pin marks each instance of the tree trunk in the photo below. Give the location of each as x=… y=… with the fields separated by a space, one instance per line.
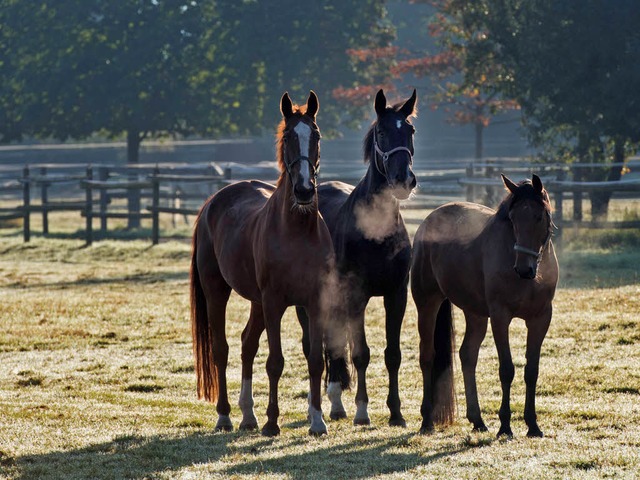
x=479 y=127
x=611 y=173
x=133 y=196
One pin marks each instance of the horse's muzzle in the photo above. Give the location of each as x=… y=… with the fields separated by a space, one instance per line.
x=526 y=272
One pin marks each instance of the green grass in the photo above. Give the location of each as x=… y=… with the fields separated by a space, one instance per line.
x=97 y=379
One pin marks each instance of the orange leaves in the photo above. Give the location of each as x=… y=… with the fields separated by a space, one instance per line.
x=361 y=95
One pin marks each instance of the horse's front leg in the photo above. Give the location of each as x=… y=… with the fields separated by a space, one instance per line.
x=395 y=305
x=273 y=311
x=360 y=355
x=316 y=366
x=500 y=328
x=537 y=328
x=250 y=342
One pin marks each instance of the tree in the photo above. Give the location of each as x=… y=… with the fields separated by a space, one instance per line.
x=141 y=68
x=464 y=74
x=145 y=68
x=574 y=67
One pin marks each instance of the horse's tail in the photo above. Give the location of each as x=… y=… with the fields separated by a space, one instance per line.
x=442 y=373
x=337 y=368
x=206 y=370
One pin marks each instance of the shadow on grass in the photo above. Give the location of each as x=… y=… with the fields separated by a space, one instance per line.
x=138 y=278
x=125 y=457
x=146 y=457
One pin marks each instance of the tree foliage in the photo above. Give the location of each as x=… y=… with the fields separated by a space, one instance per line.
x=71 y=68
x=574 y=67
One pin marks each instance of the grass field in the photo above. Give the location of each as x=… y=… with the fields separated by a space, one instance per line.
x=96 y=378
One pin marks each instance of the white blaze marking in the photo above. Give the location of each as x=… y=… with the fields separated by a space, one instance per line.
x=398 y=124
x=304 y=137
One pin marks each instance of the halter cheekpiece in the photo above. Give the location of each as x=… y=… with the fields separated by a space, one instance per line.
x=533 y=253
x=385 y=155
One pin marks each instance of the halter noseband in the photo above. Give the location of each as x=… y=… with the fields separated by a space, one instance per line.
x=385 y=155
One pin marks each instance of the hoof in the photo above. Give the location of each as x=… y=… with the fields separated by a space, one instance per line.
x=397 y=422
x=480 y=427
x=362 y=421
x=506 y=432
x=535 y=432
x=426 y=430
x=224 y=424
x=252 y=425
x=338 y=415
x=318 y=432
x=270 y=430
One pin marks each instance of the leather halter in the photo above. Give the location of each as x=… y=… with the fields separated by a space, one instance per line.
x=385 y=155
x=301 y=158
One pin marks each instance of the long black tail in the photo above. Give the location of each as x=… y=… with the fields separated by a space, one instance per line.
x=442 y=374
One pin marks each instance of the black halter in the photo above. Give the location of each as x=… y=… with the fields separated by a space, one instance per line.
x=314 y=171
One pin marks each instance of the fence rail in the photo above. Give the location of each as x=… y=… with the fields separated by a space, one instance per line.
x=180 y=189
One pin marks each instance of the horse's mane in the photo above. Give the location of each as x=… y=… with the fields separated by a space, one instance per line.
x=298 y=111
x=367 y=144
x=525 y=191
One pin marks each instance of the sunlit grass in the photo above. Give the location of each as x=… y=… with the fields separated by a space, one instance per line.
x=97 y=379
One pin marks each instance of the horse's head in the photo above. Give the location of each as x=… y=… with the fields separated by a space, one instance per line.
x=389 y=144
x=529 y=211
x=299 y=148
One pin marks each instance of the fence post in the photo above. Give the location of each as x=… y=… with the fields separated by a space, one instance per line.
x=26 y=204
x=44 y=199
x=89 y=206
x=470 y=188
x=103 y=176
x=155 y=207
x=577 y=193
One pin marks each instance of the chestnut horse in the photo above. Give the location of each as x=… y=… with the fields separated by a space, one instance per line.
x=498 y=264
x=271 y=246
x=373 y=253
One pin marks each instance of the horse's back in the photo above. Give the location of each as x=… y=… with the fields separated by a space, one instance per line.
x=225 y=230
x=331 y=196
x=447 y=251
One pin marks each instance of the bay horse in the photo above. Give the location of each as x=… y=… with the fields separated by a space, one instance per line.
x=491 y=264
x=271 y=246
x=373 y=253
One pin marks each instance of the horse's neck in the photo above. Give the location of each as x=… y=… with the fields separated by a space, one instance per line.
x=374 y=190
x=290 y=217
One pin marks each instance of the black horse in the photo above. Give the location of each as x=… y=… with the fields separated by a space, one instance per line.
x=373 y=254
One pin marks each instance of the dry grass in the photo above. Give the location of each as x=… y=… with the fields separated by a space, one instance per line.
x=97 y=380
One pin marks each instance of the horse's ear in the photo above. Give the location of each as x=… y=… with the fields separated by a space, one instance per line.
x=380 y=104
x=537 y=183
x=512 y=187
x=312 y=104
x=409 y=106
x=286 y=106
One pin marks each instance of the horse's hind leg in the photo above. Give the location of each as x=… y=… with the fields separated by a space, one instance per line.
x=536 y=331
x=473 y=336
x=395 y=305
x=218 y=293
x=250 y=343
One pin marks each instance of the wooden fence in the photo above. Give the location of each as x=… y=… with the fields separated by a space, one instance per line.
x=42 y=189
